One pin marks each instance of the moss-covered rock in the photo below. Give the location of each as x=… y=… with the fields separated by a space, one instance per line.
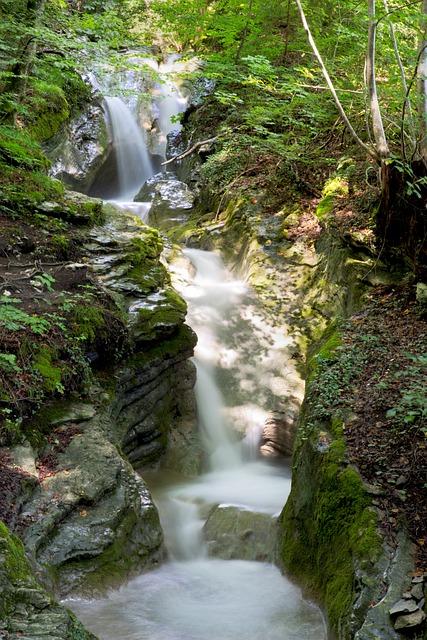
x=91 y=522
x=26 y=609
x=328 y=530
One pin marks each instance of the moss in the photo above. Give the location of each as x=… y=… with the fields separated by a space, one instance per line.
x=183 y=340
x=328 y=529
x=149 y=246
x=160 y=318
x=61 y=244
x=87 y=321
x=14 y=569
x=51 y=374
x=21 y=190
x=19 y=149
x=48 y=109
x=149 y=276
x=323 y=349
x=334 y=189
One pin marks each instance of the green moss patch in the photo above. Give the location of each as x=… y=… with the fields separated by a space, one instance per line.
x=329 y=532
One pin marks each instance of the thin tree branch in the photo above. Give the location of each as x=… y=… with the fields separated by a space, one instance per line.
x=371 y=82
x=190 y=150
x=393 y=37
x=372 y=152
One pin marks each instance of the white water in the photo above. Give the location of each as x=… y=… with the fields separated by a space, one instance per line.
x=193 y=597
x=133 y=160
x=169 y=102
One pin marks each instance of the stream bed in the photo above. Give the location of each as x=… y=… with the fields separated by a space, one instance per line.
x=193 y=596
x=242 y=375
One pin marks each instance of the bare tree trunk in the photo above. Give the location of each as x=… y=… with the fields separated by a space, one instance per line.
x=422 y=82
x=377 y=121
x=402 y=76
x=372 y=152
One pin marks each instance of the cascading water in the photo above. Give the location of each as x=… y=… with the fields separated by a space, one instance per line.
x=193 y=597
x=134 y=166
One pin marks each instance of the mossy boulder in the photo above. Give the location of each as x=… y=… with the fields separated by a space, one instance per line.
x=91 y=522
x=232 y=533
x=329 y=539
x=27 y=610
x=75 y=208
x=157 y=316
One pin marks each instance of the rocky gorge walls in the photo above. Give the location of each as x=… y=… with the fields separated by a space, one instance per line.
x=85 y=517
x=329 y=535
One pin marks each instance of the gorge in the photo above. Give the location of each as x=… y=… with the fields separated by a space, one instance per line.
x=211 y=422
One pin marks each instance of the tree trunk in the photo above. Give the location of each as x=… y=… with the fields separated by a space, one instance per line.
x=330 y=84
x=422 y=75
x=371 y=82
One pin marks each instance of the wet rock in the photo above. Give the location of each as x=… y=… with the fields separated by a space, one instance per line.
x=92 y=519
x=75 y=208
x=278 y=435
x=410 y=621
x=234 y=533
x=168 y=195
x=157 y=316
x=417 y=591
x=27 y=610
x=80 y=150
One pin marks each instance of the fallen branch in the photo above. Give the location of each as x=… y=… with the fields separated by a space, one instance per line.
x=190 y=150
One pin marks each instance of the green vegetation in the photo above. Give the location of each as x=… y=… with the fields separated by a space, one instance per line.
x=328 y=528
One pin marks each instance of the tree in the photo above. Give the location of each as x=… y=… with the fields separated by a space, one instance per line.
x=401 y=219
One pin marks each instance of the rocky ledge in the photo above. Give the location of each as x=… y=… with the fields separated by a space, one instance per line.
x=85 y=517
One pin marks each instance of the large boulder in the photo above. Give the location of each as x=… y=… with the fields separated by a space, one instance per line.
x=80 y=149
x=27 y=610
x=232 y=533
x=170 y=198
x=91 y=521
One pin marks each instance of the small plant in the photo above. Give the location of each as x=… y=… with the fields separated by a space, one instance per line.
x=412 y=405
x=8 y=363
x=15 y=319
x=44 y=281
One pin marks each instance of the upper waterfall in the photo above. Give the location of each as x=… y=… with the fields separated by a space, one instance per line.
x=133 y=161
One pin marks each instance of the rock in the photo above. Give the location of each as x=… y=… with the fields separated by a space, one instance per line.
x=403 y=606
x=410 y=621
x=232 y=533
x=75 y=413
x=169 y=197
x=24 y=457
x=80 y=150
x=27 y=610
x=417 y=591
x=278 y=435
x=157 y=316
x=75 y=208
x=92 y=519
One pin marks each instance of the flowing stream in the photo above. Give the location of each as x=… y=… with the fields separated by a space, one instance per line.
x=193 y=596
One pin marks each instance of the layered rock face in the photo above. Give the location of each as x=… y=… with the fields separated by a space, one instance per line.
x=80 y=149
x=87 y=519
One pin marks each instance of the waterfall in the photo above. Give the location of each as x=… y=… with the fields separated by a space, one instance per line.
x=210 y=299
x=132 y=158
x=170 y=103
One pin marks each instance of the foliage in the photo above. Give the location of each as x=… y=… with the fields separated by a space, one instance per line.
x=411 y=406
x=13 y=318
